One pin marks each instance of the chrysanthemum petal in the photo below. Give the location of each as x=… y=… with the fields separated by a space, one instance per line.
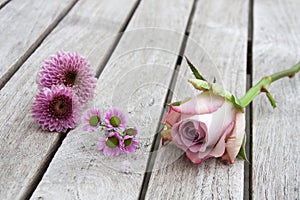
x=86 y=120
x=56 y=109
x=69 y=69
x=108 y=119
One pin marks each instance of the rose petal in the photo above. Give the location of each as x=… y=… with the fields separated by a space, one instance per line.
x=217 y=151
x=203 y=103
x=172 y=116
x=196 y=147
x=184 y=138
x=176 y=137
x=202 y=131
x=235 y=139
x=216 y=122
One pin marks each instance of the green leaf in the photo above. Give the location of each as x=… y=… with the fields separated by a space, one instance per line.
x=194 y=70
x=242 y=152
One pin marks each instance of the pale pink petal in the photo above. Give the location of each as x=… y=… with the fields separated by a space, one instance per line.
x=101 y=144
x=176 y=137
x=217 y=122
x=235 y=139
x=217 y=151
x=203 y=103
x=172 y=116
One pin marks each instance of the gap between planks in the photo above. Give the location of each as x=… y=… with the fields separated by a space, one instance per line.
x=244 y=48
x=249 y=114
x=16 y=66
x=175 y=58
x=98 y=73
x=4 y=3
x=38 y=55
x=157 y=136
x=44 y=167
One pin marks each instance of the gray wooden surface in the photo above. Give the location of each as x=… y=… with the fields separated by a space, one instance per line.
x=23 y=25
x=174 y=177
x=136 y=81
x=3 y=3
x=25 y=149
x=141 y=70
x=276 y=133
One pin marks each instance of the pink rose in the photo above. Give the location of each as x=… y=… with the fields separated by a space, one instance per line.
x=207 y=126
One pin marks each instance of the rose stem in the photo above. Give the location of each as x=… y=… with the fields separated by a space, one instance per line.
x=264 y=83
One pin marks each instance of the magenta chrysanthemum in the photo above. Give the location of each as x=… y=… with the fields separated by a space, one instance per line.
x=56 y=108
x=71 y=70
x=92 y=120
x=114 y=120
x=111 y=146
x=129 y=144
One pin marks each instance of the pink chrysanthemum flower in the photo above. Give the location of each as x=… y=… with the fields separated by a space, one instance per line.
x=114 y=119
x=129 y=144
x=71 y=70
x=56 y=109
x=111 y=146
x=92 y=120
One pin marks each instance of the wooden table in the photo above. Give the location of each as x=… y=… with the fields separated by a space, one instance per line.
x=135 y=48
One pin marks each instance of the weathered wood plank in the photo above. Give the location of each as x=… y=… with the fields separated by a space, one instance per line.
x=23 y=25
x=3 y=2
x=276 y=149
x=24 y=147
x=218 y=35
x=135 y=80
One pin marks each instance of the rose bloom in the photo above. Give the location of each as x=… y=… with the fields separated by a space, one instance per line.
x=206 y=126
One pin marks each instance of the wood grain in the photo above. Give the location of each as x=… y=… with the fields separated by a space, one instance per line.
x=24 y=25
x=276 y=150
x=135 y=80
x=25 y=149
x=217 y=45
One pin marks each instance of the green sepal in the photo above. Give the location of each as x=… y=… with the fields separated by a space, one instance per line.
x=218 y=90
x=166 y=134
x=200 y=84
x=177 y=103
x=242 y=153
x=194 y=70
x=236 y=102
